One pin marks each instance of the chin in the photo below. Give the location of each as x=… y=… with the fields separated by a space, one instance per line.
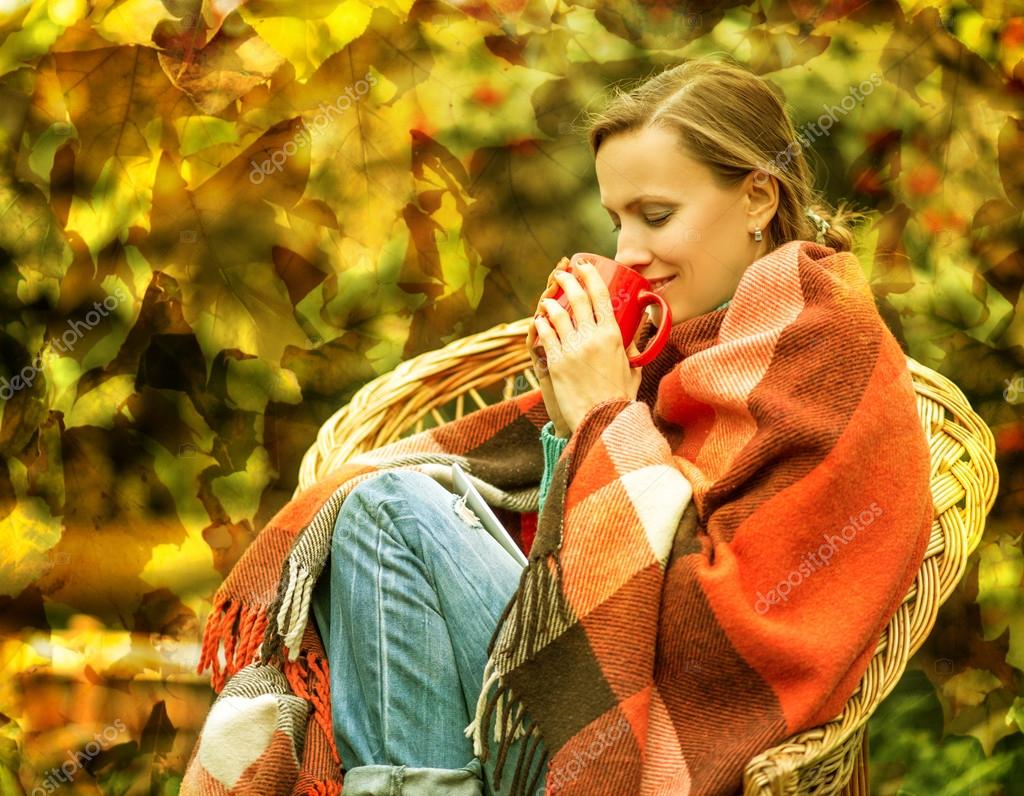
x=684 y=313
x=681 y=309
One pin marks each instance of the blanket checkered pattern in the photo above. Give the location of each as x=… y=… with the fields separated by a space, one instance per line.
x=710 y=572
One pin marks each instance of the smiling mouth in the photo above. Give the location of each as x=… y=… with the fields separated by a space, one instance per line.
x=659 y=284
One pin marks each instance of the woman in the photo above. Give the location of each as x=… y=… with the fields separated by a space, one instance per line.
x=698 y=172
x=705 y=577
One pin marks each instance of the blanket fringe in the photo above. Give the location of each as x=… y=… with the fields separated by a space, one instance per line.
x=520 y=787
x=293 y=614
x=535 y=614
x=240 y=629
x=309 y=678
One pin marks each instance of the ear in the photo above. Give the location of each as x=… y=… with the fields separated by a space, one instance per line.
x=762 y=193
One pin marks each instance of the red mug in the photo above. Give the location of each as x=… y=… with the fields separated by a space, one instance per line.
x=630 y=293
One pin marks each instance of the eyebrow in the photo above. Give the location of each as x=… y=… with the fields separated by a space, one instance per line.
x=641 y=198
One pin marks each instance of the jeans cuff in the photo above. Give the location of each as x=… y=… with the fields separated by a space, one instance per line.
x=387 y=780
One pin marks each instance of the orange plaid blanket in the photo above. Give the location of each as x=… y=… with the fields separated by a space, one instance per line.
x=704 y=578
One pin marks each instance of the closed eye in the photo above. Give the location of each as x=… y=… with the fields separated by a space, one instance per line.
x=653 y=222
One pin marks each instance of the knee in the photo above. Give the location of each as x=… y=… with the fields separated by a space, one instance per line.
x=390 y=486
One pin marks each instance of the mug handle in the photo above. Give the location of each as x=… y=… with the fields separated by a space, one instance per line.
x=656 y=343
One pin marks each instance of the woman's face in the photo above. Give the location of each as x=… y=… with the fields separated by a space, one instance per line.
x=674 y=221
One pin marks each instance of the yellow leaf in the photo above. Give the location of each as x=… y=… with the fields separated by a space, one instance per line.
x=228 y=68
x=240 y=492
x=969 y=688
x=985 y=718
x=199 y=132
x=37 y=34
x=249 y=310
x=31 y=235
x=117 y=98
x=100 y=404
x=307 y=42
x=40 y=159
x=132 y=21
x=29 y=532
x=1000 y=598
x=120 y=199
x=253 y=382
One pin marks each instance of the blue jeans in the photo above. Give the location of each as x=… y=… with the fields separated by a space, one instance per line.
x=406 y=606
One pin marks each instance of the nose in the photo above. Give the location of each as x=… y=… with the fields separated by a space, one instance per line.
x=632 y=253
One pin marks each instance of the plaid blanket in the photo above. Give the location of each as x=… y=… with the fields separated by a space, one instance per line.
x=710 y=572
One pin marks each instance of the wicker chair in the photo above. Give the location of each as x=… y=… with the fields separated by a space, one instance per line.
x=828 y=759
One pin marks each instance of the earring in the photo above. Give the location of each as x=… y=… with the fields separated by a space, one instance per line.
x=757 y=233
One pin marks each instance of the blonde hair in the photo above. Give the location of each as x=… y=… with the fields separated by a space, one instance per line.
x=733 y=122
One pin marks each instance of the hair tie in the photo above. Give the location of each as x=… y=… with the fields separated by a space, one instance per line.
x=820 y=224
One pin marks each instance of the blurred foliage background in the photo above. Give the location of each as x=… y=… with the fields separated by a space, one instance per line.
x=219 y=219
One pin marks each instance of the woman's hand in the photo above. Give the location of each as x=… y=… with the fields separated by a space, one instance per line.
x=540 y=367
x=584 y=353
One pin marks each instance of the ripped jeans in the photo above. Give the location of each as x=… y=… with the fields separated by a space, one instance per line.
x=406 y=606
